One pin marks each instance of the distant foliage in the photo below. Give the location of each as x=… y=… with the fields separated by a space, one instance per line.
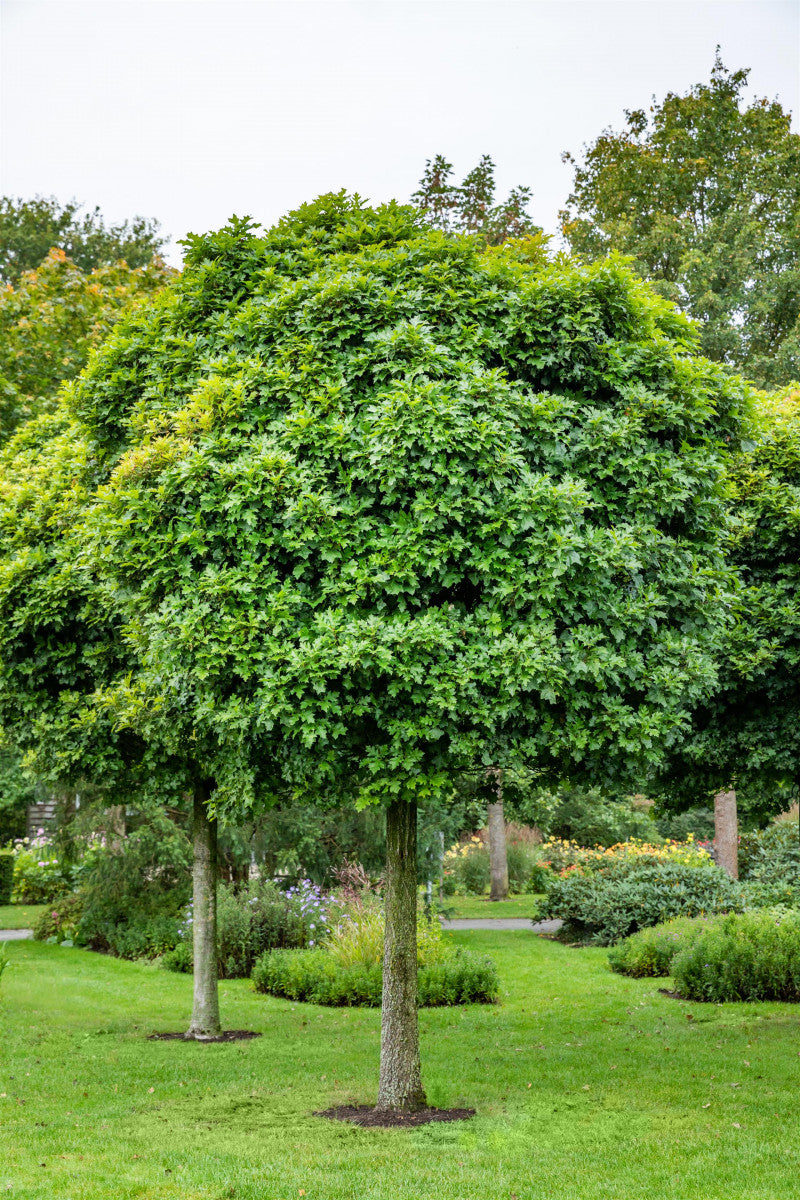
x=40 y=874
x=30 y=229
x=6 y=876
x=770 y=864
x=469 y=207
x=704 y=193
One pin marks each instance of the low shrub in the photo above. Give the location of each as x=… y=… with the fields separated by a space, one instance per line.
x=650 y=952
x=769 y=862
x=603 y=906
x=6 y=876
x=744 y=956
x=317 y=977
x=39 y=875
x=60 y=920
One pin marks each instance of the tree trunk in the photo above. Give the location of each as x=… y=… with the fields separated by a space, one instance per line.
x=205 y=1011
x=115 y=827
x=498 y=855
x=400 y=1084
x=726 y=833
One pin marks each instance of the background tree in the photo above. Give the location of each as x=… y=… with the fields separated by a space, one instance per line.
x=51 y=320
x=375 y=507
x=704 y=193
x=745 y=737
x=470 y=207
x=30 y=229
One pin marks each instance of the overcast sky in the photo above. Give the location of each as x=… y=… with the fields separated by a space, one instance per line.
x=190 y=110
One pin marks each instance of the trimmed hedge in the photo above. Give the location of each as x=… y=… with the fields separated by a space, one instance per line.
x=604 y=907
x=743 y=956
x=650 y=952
x=6 y=877
x=316 y=977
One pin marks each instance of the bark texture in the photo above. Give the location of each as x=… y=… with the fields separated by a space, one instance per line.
x=498 y=854
x=205 y=1010
x=726 y=833
x=116 y=827
x=400 y=1086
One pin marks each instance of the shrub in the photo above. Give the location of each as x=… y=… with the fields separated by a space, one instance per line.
x=468 y=866
x=605 y=905
x=697 y=821
x=251 y=920
x=591 y=818
x=769 y=860
x=747 y=956
x=651 y=951
x=39 y=875
x=60 y=920
x=316 y=976
x=6 y=876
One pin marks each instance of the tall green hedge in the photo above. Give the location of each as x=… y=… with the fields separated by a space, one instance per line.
x=6 y=877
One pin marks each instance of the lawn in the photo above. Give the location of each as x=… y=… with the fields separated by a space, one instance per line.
x=587 y=1086
x=20 y=916
x=482 y=906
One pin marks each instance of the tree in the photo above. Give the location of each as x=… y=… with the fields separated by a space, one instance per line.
x=51 y=320
x=470 y=207
x=704 y=194
x=30 y=229
x=745 y=736
x=374 y=507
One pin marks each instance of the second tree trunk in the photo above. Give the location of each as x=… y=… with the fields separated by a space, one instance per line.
x=400 y=1085
x=498 y=853
x=205 y=1010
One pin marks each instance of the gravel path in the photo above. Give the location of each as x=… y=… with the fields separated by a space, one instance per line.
x=15 y=935
x=503 y=923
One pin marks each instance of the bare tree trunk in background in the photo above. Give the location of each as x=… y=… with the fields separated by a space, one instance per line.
x=726 y=833
x=205 y=1011
x=400 y=1086
x=498 y=854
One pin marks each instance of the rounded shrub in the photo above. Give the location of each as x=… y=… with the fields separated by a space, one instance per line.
x=743 y=956
x=604 y=906
x=650 y=952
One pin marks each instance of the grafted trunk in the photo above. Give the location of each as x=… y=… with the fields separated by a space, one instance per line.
x=498 y=853
x=400 y=1084
x=726 y=833
x=205 y=1010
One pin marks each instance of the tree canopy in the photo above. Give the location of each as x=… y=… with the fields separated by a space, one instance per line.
x=747 y=734
x=469 y=207
x=52 y=318
x=30 y=229
x=703 y=192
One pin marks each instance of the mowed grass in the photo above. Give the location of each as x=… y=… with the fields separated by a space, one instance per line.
x=20 y=916
x=482 y=906
x=588 y=1086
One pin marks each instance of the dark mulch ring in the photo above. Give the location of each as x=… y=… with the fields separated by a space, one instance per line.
x=227 y=1035
x=366 y=1115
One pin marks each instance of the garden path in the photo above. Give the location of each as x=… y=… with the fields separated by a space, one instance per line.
x=15 y=935
x=502 y=923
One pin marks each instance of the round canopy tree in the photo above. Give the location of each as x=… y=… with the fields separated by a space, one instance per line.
x=379 y=507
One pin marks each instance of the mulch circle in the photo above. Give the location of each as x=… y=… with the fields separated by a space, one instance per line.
x=366 y=1115
x=227 y=1035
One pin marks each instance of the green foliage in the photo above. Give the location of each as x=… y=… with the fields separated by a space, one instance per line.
x=30 y=229
x=132 y=895
x=747 y=956
x=250 y=921
x=591 y=816
x=357 y=467
x=5 y=961
x=705 y=195
x=603 y=907
x=6 y=876
x=317 y=977
x=747 y=733
x=60 y=920
x=51 y=320
x=649 y=952
x=697 y=821
x=40 y=875
x=469 y=208
x=770 y=865
x=17 y=791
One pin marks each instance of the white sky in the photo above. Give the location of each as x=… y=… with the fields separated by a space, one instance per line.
x=190 y=110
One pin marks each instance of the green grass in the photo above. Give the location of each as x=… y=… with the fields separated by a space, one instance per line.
x=482 y=906
x=588 y=1086
x=20 y=916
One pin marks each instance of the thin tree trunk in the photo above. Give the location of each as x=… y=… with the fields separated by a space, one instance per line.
x=400 y=1085
x=205 y=1010
x=498 y=853
x=726 y=833
x=115 y=827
